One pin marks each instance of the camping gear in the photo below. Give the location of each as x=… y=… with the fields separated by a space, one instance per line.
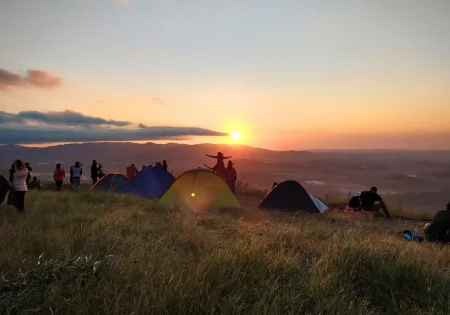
x=151 y=182
x=199 y=190
x=113 y=182
x=411 y=236
x=290 y=195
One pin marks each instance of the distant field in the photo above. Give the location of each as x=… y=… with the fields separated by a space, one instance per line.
x=103 y=254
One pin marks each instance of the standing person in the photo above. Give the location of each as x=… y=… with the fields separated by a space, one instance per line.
x=77 y=171
x=164 y=165
x=368 y=199
x=4 y=188
x=231 y=176
x=29 y=168
x=94 y=172
x=59 y=175
x=19 y=185
x=219 y=168
x=131 y=171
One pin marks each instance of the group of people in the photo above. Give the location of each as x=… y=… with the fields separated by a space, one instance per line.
x=228 y=174
x=76 y=172
x=436 y=231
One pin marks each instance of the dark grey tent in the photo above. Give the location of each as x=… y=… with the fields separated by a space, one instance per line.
x=292 y=196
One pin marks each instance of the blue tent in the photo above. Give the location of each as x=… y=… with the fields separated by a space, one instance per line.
x=151 y=182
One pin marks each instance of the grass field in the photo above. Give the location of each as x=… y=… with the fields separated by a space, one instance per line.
x=101 y=254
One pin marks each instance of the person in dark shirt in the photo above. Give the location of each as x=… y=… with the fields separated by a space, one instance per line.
x=368 y=202
x=439 y=229
x=354 y=204
x=94 y=172
x=164 y=165
x=29 y=168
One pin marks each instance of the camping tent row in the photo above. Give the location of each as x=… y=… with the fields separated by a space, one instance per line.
x=200 y=189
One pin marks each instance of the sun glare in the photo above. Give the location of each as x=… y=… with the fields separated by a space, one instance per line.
x=235 y=135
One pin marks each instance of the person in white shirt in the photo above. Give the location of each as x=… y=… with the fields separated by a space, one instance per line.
x=76 y=173
x=19 y=185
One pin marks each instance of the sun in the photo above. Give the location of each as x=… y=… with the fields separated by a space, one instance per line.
x=235 y=135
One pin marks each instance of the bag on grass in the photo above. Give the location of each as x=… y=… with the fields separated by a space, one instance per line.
x=411 y=236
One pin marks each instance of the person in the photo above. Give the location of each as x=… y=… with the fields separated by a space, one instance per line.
x=4 y=188
x=71 y=175
x=219 y=168
x=100 y=171
x=19 y=186
x=29 y=168
x=158 y=164
x=231 y=176
x=59 y=175
x=368 y=200
x=164 y=165
x=77 y=171
x=11 y=173
x=35 y=183
x=439 y=229
x=354 y=204
x=131 y=171
x=94 y=171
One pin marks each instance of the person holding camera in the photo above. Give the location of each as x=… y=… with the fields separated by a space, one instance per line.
x=18 y=174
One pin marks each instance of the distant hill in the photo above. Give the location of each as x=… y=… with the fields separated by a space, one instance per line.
x=116 y=156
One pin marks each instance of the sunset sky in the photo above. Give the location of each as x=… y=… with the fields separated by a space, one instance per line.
x=285 y=74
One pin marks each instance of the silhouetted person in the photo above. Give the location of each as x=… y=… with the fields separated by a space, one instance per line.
x=131 y=171
x=231 y=176
x=11 y=173
x=368 y=200
x=219 y=168
x=35 y=183
x=94 y=172
x=164 y=165
x=354 y=204
x=29 y=168
x=439 y=229
x=158 y=164
x=4 y=188
x=59 y=175
x=77 y=172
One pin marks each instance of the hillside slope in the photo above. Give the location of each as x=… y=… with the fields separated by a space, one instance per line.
x=136 y=259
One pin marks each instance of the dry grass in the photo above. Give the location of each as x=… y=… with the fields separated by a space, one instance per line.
x=162 y=262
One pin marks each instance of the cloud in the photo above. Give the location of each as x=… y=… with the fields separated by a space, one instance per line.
x=69 y=126
x=66 y=118
x=33 y=78
x=125 y=2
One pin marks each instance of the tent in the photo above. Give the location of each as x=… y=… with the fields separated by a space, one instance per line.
x=199 y=190
x=151 y=182
x=113 y=182
x=292 y=196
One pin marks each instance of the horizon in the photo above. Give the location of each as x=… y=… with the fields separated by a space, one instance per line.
x=282 y=76
x=52 y=145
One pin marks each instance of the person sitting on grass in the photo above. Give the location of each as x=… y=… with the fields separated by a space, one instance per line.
x=354 y=204
x=439 y=229
x=35 y=183
x=371 y=201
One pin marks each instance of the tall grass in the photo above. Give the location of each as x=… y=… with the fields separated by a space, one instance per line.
x=103 y=254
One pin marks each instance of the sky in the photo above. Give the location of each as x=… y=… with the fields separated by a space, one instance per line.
x=279 y=74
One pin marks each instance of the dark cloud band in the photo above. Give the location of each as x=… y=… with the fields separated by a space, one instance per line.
x=66 y=118
x=15 y=135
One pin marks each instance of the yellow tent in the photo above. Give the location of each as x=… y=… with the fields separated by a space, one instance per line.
x=199 y=190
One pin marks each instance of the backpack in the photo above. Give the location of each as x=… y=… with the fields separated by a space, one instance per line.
x=411 y=236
